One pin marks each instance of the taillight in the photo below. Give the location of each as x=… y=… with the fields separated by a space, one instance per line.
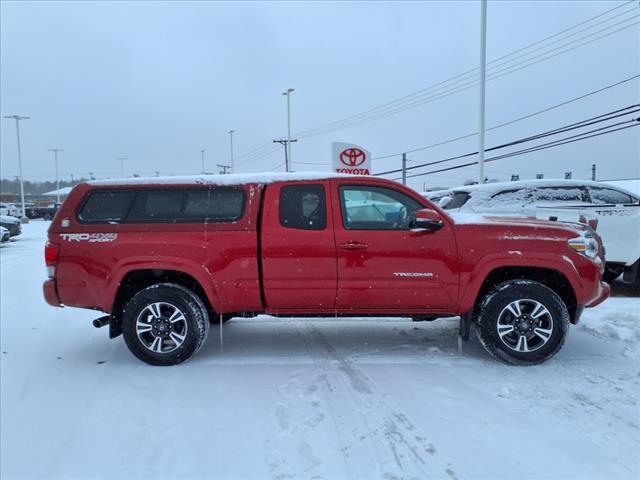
x=51 y=251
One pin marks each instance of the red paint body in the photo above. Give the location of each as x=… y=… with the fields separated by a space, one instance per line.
x=256 y=265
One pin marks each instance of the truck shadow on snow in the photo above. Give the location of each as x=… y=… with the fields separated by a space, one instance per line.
x=308 y=340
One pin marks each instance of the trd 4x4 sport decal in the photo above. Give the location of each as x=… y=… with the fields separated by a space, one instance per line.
x=89 y=237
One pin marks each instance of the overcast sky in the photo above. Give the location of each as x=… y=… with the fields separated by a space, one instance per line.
x=159 y=81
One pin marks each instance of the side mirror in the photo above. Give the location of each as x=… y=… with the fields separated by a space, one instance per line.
x=426 y=220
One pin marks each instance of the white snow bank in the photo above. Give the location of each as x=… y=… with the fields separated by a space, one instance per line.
x=618 y=325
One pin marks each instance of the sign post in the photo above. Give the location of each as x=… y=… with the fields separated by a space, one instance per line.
x=349 y=158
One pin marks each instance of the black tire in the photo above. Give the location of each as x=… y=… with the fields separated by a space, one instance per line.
x=47 y=216
x=158 y=315
x=532 y=339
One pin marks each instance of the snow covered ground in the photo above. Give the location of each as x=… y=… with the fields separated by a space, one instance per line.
x=300 y=398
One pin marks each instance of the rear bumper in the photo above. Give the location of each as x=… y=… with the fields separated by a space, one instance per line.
x=50 y=293
x=604 y=290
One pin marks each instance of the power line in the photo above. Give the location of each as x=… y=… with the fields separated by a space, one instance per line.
x=510 y=122
x=412 y=100
x=453 y=90
x=572 y=126
x=557 y=143
x=400 y=104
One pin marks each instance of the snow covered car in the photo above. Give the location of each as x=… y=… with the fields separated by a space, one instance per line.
x=4 y=235
x=524 y=197
x=612 y=211
x=12 y=224
x=10 y=209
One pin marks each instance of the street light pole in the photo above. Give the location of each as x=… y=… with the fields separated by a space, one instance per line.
x=231 y=149
x=17 y=118
x=202 y=157
x=55 y=155
x=288 y=145
x=483 y=61
x=122 y=159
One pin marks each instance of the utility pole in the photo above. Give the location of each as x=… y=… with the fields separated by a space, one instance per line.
x=288 y=144
x=17 y=118
x=285 y=143
x=122 y=159
x=231 y=149
x=404 y=168
x=202 y=157
x=483 y=61
x=593 y=172
x=224 y=168
x=55 y=156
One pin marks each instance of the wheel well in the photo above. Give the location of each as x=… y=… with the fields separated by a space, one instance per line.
x=137 y=280
x=553 y=279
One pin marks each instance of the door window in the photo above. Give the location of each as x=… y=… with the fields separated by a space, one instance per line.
x=376 y=208
x=303 y=207
x=559 y=194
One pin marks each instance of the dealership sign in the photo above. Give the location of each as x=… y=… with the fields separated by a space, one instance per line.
x=349 y=158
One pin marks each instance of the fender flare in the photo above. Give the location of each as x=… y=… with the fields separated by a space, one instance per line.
x=205 y=278
x=489 y=263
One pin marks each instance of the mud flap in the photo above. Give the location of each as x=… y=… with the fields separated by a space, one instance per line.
x=221 y=334
x=464 y=329
x=115 y=327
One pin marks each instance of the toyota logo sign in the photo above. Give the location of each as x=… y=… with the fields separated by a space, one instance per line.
x=349 y=158
x=352 y=157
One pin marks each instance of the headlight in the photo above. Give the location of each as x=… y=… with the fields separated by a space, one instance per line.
x=585 y=244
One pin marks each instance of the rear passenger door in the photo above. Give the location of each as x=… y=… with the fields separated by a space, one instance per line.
x=297 y=248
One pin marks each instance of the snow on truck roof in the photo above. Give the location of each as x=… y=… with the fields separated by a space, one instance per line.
x=230 y=179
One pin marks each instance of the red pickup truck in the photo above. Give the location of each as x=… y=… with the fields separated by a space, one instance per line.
x=164 y=257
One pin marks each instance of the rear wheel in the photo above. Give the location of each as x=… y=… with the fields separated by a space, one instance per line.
x=165 y=324
x=522 y=322
x=47 y=216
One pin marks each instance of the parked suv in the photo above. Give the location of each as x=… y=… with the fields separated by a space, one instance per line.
x=165 y=257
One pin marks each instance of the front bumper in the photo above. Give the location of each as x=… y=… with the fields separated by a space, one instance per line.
x=50 y=293
x=604 y=291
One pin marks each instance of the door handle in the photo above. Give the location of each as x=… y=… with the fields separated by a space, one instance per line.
x=353 y=246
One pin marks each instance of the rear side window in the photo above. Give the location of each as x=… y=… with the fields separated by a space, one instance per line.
x=165 y=206
x=106 y=206
x=303 y=207
x=610 y=196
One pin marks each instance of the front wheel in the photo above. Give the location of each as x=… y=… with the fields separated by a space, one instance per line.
x=165 y=324
x=522 y=322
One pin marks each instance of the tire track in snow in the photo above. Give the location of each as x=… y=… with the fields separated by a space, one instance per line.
x=374 y=439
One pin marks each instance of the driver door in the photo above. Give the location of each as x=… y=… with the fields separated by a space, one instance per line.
x=383 y=265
